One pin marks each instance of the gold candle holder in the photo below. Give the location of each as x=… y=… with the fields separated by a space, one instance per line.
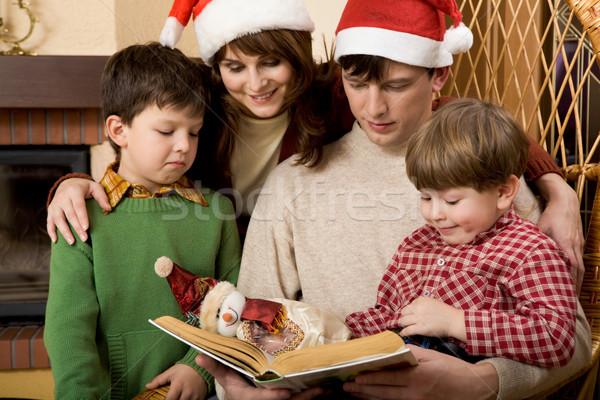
x=16 y=49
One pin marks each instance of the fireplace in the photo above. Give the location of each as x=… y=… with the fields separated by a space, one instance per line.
x=49 y=116
x=26 y=175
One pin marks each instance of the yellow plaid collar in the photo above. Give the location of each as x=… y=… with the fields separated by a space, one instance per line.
x=116 y=188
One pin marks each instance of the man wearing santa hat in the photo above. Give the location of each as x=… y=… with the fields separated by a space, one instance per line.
x=324 y=235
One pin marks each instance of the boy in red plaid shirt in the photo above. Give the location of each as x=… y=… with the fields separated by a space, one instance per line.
x=476 y=278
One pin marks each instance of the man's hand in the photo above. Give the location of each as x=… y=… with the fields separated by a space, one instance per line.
x=69 y=204
x=237 y=388
x=437 y=377
x=561 y=220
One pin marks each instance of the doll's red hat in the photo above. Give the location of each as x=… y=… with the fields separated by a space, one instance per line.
x=189 y=289
x=218 y=22
x=201 y=298
x=408 y=31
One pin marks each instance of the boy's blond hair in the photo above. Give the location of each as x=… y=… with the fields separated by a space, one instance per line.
x=467 y=143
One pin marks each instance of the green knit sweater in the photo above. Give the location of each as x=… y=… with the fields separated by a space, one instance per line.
x=103 y=291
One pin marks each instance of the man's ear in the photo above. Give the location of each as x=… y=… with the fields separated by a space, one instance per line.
x=440 y=76
x=116 y=130
x=507 y=192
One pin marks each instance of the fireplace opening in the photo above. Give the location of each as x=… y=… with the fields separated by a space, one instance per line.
x=26 y=175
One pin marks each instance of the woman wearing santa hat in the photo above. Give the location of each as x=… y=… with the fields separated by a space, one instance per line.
x=272 y=100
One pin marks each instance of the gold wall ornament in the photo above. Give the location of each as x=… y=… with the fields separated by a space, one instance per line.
x=16 y=49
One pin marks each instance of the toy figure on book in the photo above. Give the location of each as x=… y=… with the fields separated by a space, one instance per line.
x=275 y=326
x=276 y=343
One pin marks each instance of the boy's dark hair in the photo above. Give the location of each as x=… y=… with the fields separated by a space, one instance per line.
x=368 y=67
x=143 y=75
x=467 y=143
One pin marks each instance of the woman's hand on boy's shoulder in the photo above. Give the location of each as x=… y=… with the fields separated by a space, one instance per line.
x=68 y=207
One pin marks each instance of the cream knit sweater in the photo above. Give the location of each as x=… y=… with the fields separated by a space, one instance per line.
x=325 y=235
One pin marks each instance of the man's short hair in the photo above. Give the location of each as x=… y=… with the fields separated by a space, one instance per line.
x=370 y=68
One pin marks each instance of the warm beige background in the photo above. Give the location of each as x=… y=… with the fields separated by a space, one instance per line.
x=101 y=27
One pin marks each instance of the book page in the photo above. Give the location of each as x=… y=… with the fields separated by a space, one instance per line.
x=335 y=353
x=234 y=350
x=338 y=373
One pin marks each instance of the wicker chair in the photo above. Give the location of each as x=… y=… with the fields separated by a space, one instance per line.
x=539 y=60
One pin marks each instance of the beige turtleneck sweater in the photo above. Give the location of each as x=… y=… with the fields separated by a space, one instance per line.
x=325 y=235
x=258 y=145
x=318 y=231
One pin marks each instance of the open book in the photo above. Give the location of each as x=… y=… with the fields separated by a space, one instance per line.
x=298 y=369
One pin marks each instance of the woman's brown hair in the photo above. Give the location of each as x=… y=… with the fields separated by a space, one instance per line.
x=302 y=101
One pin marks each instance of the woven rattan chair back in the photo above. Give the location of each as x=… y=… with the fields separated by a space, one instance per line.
x=539 y=59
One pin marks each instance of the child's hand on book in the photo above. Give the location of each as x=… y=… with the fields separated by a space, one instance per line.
x=431 y=317
x=185 y=383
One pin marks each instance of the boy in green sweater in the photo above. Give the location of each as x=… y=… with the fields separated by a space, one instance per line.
x=104 y=290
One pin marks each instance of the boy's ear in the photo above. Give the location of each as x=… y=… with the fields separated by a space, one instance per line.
x=116 y=131
x=440 y=76
x=507 y=192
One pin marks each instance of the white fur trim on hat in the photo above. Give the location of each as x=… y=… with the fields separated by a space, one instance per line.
x=222 y=21
x=397 y=46
x=209 y=311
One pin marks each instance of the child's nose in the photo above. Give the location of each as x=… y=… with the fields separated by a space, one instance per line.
x=183 y=143
x=436 y=212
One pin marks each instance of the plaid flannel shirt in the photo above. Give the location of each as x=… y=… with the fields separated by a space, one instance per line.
x=512 y=281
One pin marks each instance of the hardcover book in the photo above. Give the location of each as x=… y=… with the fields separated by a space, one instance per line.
x=297 y=369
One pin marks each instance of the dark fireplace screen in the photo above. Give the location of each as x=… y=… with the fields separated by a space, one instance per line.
x=26 y=175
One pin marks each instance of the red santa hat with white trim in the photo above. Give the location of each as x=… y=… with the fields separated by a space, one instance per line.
x=408 y=31
x=218 y=22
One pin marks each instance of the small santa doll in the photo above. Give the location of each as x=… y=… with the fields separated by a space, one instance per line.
x=275 y=326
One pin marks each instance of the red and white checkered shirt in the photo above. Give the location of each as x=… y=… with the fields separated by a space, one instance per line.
x=512 y=281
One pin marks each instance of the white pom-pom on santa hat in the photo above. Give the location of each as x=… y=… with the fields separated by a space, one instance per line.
x=459 y=39
x=163 y=266
x=188 y=288
x=218 y=22
x=171 y=32
x=412 y=32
